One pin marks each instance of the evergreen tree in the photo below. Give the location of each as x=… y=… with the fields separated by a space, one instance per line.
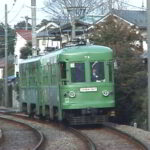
x=130 y=77
x=44 y=22
x=11 y=40
x=26 y=51
x=22 y=25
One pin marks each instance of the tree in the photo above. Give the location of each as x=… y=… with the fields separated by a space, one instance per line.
x=22 y=25
x=44 y=22
x=11 y=40
x=26 y=51
x=130 y=77
x=114 y=32
x=63 y=10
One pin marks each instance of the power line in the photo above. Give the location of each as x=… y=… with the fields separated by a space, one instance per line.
x=38 y=9
x=10 y=10
x=19 y=11
x=131 y=5
x=12 y=7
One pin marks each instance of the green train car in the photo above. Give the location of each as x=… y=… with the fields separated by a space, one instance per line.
x=74 y=84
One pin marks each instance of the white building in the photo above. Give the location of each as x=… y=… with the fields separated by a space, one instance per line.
x=46 y=40
x=22 y=37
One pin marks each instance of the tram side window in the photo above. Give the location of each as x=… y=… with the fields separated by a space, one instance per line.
x=77 y=72
x=97 y=71
x=63 y=70
x=53 y=77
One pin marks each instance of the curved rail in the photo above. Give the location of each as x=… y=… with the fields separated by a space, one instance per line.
x=136 y=141
x=91 y=145
x=41 y=138
x=1 y=136
x=37 y=132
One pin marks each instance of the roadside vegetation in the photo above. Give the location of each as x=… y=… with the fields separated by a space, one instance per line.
x=130 y=74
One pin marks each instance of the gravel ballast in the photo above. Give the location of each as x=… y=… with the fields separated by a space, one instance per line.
x=139 y=134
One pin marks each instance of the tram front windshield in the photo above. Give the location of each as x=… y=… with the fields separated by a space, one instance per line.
x=77 y=72
x=97 y=71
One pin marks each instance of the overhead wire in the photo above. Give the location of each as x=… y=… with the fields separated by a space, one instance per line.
x=12 y=7
x=18 y=12
x=130 y=5
x=10 y=10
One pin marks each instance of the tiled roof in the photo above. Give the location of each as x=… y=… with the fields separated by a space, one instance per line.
x=26 y=34
x=136 y=17
x=91 y=19
x=64 y=28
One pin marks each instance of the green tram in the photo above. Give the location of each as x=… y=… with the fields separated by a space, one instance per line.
x=74 y=84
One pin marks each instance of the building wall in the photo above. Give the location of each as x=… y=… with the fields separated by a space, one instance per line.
x=43 y=43
x=20 y=42
x=145 y=44
x=1 y=73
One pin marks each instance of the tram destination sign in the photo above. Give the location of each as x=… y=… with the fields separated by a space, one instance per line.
x=89 y=89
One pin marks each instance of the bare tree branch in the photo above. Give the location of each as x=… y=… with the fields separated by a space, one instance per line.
x=78 y=8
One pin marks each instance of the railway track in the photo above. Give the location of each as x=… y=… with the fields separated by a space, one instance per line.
x=106 y=138
x=58 y=137
x=91 y=145
x=18 y=135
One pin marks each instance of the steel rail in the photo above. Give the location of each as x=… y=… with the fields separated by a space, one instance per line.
x=91 y=145
x=141 y=144
x=1 y=136
x=37 y=132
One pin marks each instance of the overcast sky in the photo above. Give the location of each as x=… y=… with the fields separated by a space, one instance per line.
x=17 y=11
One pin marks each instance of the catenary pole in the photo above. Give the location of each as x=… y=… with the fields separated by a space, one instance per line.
x=33 y=13
x=6 y=59
x=110 y=6
x=148 y=39
x=26 y=20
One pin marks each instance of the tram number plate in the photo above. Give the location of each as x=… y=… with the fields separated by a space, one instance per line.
x=91 y=89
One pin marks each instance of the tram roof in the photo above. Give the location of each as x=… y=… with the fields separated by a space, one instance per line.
x=86 y=52
x=88 y=49
x=94 y=50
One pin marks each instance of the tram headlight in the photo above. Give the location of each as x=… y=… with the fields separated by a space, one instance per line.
x=105 y=93
x=72 y=94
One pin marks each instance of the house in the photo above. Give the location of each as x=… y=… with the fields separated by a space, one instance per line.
x=136 y=18
x=65 y=31
x=2 y=67
x=54 y=36
x=22 y=37
x=45 y=40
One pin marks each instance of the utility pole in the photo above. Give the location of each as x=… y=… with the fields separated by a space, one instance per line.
x=73 y=21
x=33 y=13
x=142 y=4
x=26 y=20
x=6 y=58
x=72 y=11
x=110 y=6
x=148 y=39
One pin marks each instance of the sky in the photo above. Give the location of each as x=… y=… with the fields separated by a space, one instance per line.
x=21 y=8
